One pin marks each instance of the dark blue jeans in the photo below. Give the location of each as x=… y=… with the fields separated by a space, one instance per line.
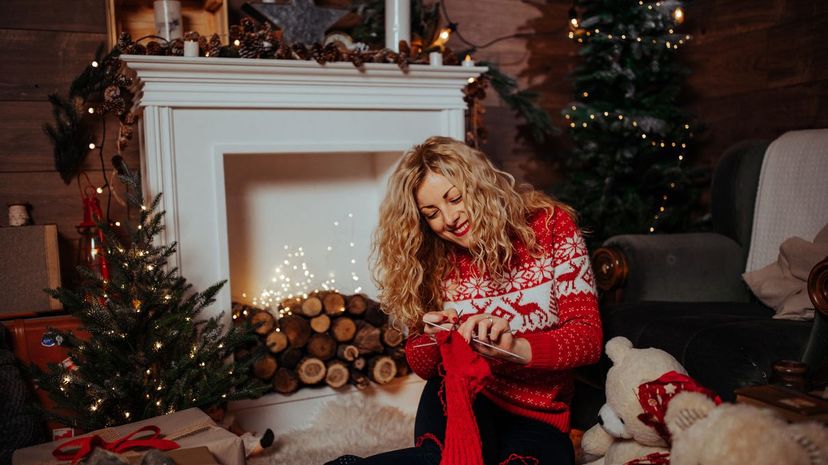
x=506 y=438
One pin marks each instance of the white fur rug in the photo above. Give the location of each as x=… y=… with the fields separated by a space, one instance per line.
x=354 y=425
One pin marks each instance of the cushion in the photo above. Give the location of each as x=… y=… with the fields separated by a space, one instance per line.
x=782 y=285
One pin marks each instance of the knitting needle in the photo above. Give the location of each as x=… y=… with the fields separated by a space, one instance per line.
x=480 y=342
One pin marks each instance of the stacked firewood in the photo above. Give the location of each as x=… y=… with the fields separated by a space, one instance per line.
x=326 y=338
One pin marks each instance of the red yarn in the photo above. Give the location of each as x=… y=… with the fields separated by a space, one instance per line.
x=524 y=460
x=466 y=374
x=428 y=436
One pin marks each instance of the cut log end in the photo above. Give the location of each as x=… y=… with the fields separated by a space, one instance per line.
x=347 y=352
x=286 y=381
x=264 y=367
x=276 y=341
x=311 y=307
x=311 y=370
x=263 y=322
x=337 y=374
x=320 y=323
x=382 y=369
x=333 y=303
x=391 y=337
x=343 y=329
x=322 y=346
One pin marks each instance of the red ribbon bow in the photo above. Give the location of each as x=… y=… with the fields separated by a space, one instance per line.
x=87 y=444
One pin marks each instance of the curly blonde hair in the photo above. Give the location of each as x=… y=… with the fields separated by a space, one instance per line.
x=410 y=260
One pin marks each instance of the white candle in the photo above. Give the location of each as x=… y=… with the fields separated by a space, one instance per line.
x=435 y=59
x=468 y=62
x=168 y=22
x=190 y=48
x=397 y=23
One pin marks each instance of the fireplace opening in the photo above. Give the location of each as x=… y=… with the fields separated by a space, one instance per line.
x=300 y=222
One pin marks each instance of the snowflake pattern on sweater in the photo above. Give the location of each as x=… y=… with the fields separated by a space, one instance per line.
x=550 y=301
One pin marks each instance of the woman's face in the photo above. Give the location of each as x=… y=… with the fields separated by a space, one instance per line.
x=441 y=204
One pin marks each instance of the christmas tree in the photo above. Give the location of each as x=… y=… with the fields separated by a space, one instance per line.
x=625 y=172
x=142 y=350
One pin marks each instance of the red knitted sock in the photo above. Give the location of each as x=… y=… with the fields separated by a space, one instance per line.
x=466 y=374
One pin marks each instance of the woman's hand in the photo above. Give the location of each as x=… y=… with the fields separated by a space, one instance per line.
x=495 y=331
x=448 y=316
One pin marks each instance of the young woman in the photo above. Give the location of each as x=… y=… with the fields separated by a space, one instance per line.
x=460 y=247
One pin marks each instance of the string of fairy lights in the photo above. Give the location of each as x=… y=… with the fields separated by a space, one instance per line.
x=293 y=278
x=670 y=9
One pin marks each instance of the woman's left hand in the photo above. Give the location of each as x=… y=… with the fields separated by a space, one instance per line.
x=495 y=331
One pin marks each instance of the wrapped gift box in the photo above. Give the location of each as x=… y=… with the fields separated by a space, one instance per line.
x=190 y=428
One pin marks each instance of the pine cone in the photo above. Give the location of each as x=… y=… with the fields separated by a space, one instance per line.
x=235 y=33
x=449 y=57
x=300 y=52
x=124 y=42
x=214 y=46
x=357 y=58
x=250 y=47
x=116 y=106
x=331 y=53
x=192 y=35
x=177 y=48
x=154 y=48
x=125 y=132
x=124 y=81
x=111 y=93
x=137 y=49
x=317 y=53
x=283 y=52
x=247 y=25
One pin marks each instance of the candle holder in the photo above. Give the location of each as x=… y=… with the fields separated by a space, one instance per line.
x=397 y=23
x=168 y=23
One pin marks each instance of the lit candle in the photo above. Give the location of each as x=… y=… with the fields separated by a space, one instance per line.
x=190 y=48
x=468 y=62
x=435 y=59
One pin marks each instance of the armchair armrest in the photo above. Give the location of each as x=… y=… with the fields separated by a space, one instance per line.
x=816 y=352
x=693 y=267
x=818 y=286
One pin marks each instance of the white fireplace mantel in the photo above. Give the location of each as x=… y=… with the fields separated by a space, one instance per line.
x=199 y=111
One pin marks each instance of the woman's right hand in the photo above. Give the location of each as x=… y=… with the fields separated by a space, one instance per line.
x=444 y=318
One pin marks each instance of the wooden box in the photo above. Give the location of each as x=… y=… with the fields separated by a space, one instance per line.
x=138 y=18
x=29 y=255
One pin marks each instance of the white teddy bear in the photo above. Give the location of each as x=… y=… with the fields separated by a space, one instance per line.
x=737 y=434
x=639 y=386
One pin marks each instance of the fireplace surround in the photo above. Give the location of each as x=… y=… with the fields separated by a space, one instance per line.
x=225 y=140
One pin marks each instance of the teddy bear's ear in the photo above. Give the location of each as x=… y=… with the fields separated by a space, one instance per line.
x=617 y=347
x=685 y=409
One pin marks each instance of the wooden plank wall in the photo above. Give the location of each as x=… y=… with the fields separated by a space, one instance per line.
x=759 y=69
x=46 y=44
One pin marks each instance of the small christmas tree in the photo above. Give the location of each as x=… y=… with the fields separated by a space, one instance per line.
x=144 y=352
x=625 y=173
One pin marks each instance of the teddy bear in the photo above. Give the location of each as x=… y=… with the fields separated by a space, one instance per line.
x=639 y=385
x=736 y=434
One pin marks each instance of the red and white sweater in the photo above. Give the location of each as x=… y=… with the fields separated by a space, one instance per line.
x=550 y=301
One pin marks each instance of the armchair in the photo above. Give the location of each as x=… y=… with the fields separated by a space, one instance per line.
x=684 y=293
